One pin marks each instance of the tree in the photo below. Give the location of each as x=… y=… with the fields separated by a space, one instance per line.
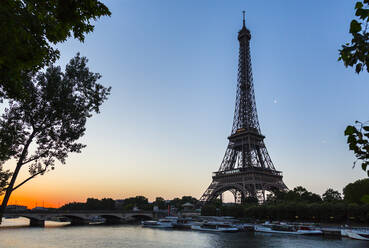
x=356 y=54
x=331 y=195
x=4 y=178
x=358 y=140
x=357 y=191
x=139 y=201
x=160 y=203
x=29 y=31
x=51 y=119
x=209 y=210
x=298 y=194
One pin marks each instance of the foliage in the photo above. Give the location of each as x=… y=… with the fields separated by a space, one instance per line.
x=51 y=119
x=357 y=191
x=29 y=31
x=298 y=194
x=74 y=206
x=251 y=200
x=234 y=210
x=356 y=53
x=331 y=195
x=4 y=178
x=315 y=212
x=103 y=204
x=160 y=203
x=209 y=210
x=358 y=140
x=91 y=204
x=140 y=202
x=177 y=202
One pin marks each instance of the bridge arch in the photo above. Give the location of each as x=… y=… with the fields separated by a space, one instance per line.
x=75 y=219
x=140 y=217
x=34 y=220
x=112 y=218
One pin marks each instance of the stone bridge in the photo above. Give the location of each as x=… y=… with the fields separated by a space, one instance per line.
x=75 y=217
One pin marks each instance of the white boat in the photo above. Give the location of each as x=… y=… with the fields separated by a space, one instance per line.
x=215 y=227
x=185 y=223
x=161 y=223
x=246 y=227
x=287 y=229
x=150 y=223
x=354 y=235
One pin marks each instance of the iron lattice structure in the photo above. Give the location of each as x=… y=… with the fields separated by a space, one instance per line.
x=246 y=169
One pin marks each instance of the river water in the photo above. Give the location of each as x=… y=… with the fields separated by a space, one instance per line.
x=15 y=233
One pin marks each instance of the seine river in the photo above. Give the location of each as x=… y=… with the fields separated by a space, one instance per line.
x=14 y=233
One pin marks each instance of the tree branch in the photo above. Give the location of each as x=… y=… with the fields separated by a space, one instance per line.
x=34 y=158
x=34 y=175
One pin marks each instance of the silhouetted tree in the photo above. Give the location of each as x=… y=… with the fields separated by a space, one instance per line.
x=4 y=178
x=357 y=192
x=178 y=202
x=209 y=210
x=51 y=119
x=160 y=203
x=356 y=54
x=358 y=140
x=251 y=200
x=103 y=204
x=189 y=199
x=331 y=195
x=74 y=206
x=29 y=31
x=139 y=201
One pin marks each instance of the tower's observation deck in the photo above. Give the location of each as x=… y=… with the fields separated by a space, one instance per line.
x=246 y=169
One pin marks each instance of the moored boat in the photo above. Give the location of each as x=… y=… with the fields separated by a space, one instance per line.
x=150 y=223
x=161 y=223
x=354 y=235
x=284 y=228
x=246 y=227
x=215 y=227
x=183 y=223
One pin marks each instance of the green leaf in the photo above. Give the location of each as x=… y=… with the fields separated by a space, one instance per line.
x=355 y=27
x=364 y=165
x=351 y=139
x=350 y=130
x=365 y=199
x=358 y=5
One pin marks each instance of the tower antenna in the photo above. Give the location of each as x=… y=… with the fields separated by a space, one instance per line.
x=243 y=13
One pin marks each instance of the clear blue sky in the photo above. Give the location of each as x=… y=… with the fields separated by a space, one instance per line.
x=172 y=66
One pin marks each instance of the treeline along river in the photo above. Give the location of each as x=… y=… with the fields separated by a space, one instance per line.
x=15 y=233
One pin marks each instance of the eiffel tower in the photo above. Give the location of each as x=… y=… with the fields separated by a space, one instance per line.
x=246 y=169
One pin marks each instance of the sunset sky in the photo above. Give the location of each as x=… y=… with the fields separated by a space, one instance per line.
x=172 y=66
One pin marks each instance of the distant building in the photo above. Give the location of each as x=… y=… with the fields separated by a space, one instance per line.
x=16 y=208
x=40 y=209
x=189 y=210
x=187 y=206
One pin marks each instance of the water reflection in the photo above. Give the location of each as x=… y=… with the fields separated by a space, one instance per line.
x=15 y=233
